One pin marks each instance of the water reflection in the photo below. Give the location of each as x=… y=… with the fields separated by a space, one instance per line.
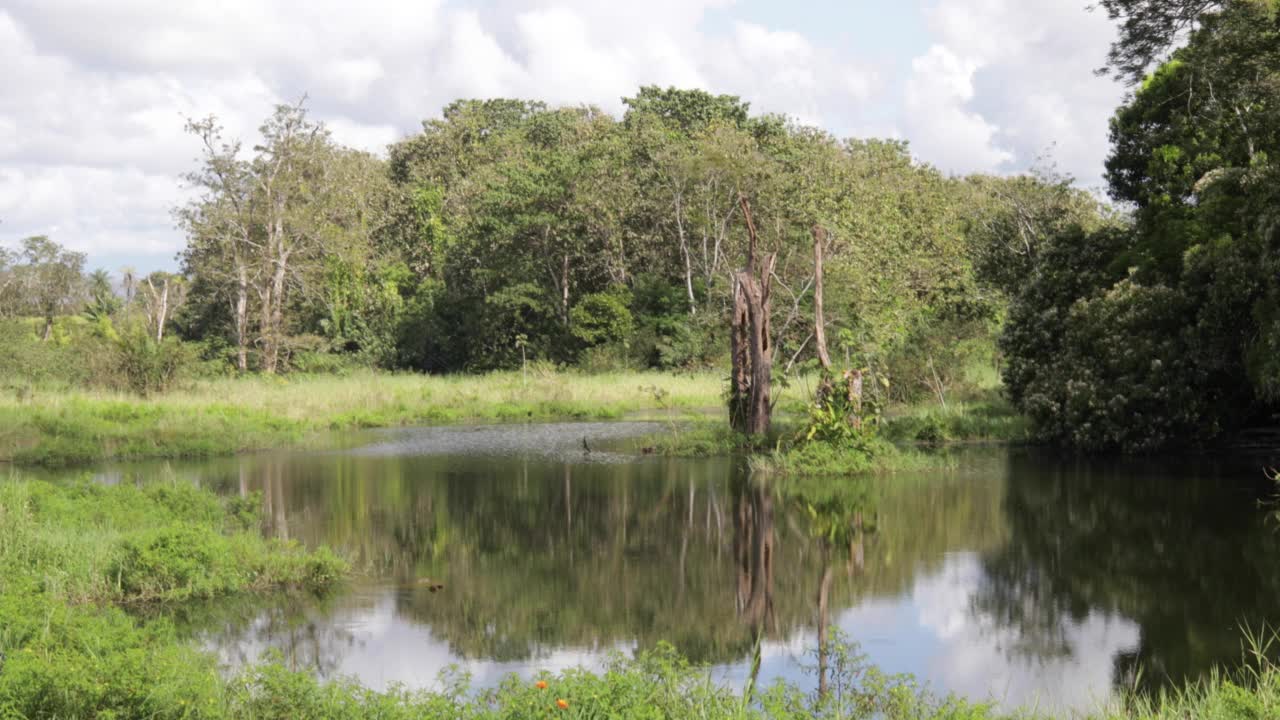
x=1018 y=578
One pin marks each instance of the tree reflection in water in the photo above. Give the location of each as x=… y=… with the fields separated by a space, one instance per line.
x=1181 y=548
x=541 y=555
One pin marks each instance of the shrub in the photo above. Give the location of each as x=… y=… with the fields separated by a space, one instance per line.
x=178 y=561
x=147 y=366
x=601 y=318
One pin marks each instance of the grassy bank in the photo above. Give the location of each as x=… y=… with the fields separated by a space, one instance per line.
x=87 y=543
x=72 y=554
x=987 y=417
x=219 y=417
x=60 y=426
x=907 y=439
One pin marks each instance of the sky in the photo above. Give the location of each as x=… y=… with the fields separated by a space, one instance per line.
x=94 y=95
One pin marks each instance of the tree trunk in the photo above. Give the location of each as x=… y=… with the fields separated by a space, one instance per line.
x=273 y=299
x=684 y=252
x=564 y=290
x=755 y=295
x=266 y=362
x=825 y=387
x=276 y=315
x=242 y=318
x=750 y=404
x=162 y=310
x=853 y=388
x=740 y=382
x=819 y=322
x=48 y=327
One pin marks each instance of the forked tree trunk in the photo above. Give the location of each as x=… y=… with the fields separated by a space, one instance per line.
x=750 y=403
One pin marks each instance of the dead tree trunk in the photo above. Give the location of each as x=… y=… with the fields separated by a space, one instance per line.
x=159 y=306
x=740 y=375
x=750 y=404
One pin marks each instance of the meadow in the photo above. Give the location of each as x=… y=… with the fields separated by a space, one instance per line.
x=66 y=425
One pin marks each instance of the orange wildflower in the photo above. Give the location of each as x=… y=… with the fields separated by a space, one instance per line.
x=541 y=684
x=562 y=704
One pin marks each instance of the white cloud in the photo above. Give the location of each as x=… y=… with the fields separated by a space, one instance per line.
x=94 y=94
x=940 y=126
x=1022 y=77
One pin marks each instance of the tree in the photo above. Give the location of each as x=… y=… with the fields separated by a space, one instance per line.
x=751 y=338
x=1163 y=329
x=289 y=175
x=1148 y=29
x=51 y=279
x=165 y=293
x=688 y=112
x=259 y=234
x=9 y=295
x=1011 y=220
x=222 y=247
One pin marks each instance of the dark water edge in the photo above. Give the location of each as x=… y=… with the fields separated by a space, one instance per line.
x=1021 y=576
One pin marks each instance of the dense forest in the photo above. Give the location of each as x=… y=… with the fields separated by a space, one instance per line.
x=508 y=232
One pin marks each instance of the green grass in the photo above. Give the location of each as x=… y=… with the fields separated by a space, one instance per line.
x=85 y=542
x=987 y=419
x=869 y=456
x=220 y=417
x=72 y=553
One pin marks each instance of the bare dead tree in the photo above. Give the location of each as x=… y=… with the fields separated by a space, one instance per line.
x=750 y=405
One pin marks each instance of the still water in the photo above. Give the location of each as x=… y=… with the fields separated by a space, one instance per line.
x=1016 y=577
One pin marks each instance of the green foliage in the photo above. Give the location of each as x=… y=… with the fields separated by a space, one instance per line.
x=147 y=366
x=687 y=111
x=363 y=309
x=87 y=542
x=1124 y=378
x=1161 y=332
x=601 y=318
x=990 y=419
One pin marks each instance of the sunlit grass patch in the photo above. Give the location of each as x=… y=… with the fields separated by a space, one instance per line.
x=54 y=426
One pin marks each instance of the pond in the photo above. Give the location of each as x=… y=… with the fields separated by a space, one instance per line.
x=1016 y=577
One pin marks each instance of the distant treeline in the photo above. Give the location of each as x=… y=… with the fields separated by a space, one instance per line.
x=508 y=230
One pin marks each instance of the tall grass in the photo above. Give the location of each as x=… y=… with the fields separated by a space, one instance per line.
x=223 y=416
x=84 y=542
x=70 y=552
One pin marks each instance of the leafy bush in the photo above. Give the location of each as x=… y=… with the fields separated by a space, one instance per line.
x=148 y=366
x=667 y=336
x=74 y=356
x=175 y=562
x=601 y=318
x=1125 y=377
